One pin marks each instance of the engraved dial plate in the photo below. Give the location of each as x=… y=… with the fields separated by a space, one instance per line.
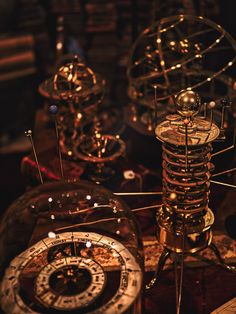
x=77 y=272
x=204 y=133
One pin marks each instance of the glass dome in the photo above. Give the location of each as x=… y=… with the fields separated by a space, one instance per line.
x=70 y=247
x=178 y=53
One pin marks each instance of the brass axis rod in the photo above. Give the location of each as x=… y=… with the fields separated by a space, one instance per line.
x=223 y=172
x=103 y=220
x=224 y=184
x=137 y=193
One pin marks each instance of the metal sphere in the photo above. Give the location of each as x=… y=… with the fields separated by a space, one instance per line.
x=188 y=103
x=74 y=78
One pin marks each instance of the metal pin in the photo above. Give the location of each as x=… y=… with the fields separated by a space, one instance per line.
x=223 y=150
x=211 y=118
x=223 y=172
x=53 y=110
x=155 y=96
x=138 y=193
x=144 y=208
x=224 y=184
x=103 y=220
x=212 y=105
x=186 y=122
x=205 y=110
x=225 y=102
x=222 y=118
x=180 y=287
x=28 y=133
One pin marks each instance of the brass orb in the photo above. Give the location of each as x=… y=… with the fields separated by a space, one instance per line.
x=74 y=78
x=188 y=103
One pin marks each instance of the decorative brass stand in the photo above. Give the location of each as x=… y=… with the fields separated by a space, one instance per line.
x=185 y=220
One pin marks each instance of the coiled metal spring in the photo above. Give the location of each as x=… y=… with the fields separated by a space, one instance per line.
x=186 y=189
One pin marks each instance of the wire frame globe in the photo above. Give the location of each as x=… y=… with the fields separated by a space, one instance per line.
x=176 y=53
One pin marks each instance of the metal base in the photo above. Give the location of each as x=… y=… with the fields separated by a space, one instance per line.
x=167 y=252
x=194 y=242
x=196 y=235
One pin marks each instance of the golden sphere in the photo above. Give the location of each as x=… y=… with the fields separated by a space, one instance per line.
x=187 y=103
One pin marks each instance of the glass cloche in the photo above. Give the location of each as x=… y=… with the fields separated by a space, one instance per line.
x=70 y=247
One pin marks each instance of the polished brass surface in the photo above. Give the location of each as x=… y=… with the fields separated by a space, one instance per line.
x=170 y=132
x=186 y=185
x=184 y=220
x=193 y=242
x=187 y=103
x=78 y=92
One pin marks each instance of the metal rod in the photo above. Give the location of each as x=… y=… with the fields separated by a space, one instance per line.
x=86 y=223
x=102 y=220
x=211 y=118
x=108 y=206
x=88 y=209
x=186 y=145
x=180 y=288
x=29 y=135
x=143 y=208
x=222 y=118
x=155 y=95
x=223 y=150
x=223 y=172
x=205 y=110
x=224 y=184
x=53 y=109
x=58 y=148
x=176 y=279
x=137 y=193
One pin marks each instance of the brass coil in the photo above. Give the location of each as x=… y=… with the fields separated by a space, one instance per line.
x=186 y=189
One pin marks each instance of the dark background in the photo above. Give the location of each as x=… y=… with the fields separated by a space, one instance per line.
x=101 y=32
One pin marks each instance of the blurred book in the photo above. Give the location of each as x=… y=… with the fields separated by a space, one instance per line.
x=16 y=43
x=17 y=58
x=102 y=16
x=31 y=16
x=65 y=6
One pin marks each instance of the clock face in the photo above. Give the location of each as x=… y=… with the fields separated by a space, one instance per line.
x=76 y=272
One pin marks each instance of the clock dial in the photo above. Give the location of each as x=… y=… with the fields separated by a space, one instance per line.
x=76 y=272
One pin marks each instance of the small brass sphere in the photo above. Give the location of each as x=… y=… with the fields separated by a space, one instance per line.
x=187 y=103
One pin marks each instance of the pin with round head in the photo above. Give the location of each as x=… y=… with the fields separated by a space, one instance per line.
x=28 y=133
x=53 y=109
x=211 y=106
x=186 y=121
x=225 y=103
x=76 y=59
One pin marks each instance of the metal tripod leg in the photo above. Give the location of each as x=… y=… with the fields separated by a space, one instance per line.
x=222 y=263
x=161 y=263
